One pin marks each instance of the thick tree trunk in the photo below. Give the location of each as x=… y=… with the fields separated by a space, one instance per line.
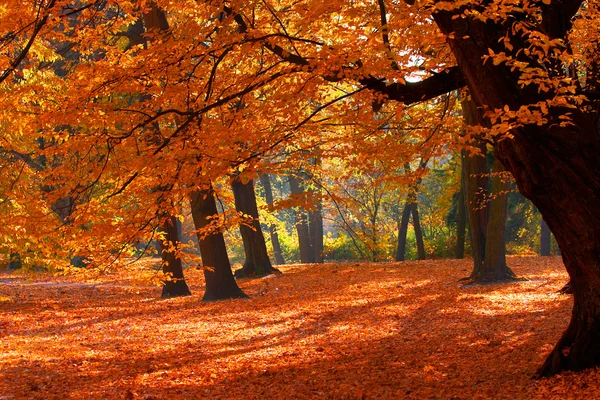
x=461 y=220
x=171 y=264
x=495 y=268
x=15 y=261
x=476 y=184
x=487 y=209
x=544 y=239
x=220 y=284
x=257 y=259
x=277 y=253
x=556 y=166
x=304 y=242
x=403 y=232
x=418 y=232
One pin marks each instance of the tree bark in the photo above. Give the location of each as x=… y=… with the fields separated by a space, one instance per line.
x=304 y=242
x=402 y=232
x=171 y=264
x=461 y=219
x=556 y=166
x=544 y=239
x=418 y=232
x=220 y=284
x=315 y=219
x=277 y=253
x=257 y=259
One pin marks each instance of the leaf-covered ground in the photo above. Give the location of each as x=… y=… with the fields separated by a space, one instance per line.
x=346 y=331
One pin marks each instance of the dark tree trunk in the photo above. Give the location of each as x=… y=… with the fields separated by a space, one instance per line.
x=402 y=232
x=315 y=218
x=461 y=219
x=556 y=166
x=220 y=284
x=495 y=268
x=277 y=253
x=544 y=239
x=418 y=232
x=257 y=259
x=304 y=242
x=476 y=190
x=171 y=263
x=487 y=214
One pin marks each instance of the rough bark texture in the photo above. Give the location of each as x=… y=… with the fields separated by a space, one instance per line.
x=304 y=242
x=220 y=284
x=556 y=166
x=461 y=220
x=277 y=253
x=171 y=264
x=544 y=239
x=257 y=259
x=315 y=218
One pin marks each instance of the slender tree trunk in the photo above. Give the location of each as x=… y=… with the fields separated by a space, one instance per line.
x=304 y=242
x=257 y=259
x=277 y=253
x=171 y=263
x=418 y=232
x=556 y=166
x=461 y=219
x=220 y=284
x=315 y=218
x=402 y=232
x=544 y=239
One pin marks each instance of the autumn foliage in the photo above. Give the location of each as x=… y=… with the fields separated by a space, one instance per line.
x=347 y=331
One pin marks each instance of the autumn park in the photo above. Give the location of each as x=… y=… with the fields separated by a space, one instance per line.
x=300 y=199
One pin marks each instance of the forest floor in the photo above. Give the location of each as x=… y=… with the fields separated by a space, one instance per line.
x=335 y=331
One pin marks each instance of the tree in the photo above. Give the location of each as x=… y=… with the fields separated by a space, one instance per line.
x=220 y=284
x=175 y=285
x=266 y=183
x=487 y=208
x=257 y=260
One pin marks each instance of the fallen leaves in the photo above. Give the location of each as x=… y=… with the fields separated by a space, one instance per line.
x=399 y=330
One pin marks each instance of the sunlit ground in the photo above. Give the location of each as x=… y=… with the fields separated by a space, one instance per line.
x=347 y=331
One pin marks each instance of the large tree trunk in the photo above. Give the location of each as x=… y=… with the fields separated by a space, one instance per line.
x=257 y=259
x=304 y=242
x=171 y=263
x=544 y=239
x=487 y=209
x=461 y=219
x=495 y=268
x=220 y=284
x=277 y=253
x=556 y=166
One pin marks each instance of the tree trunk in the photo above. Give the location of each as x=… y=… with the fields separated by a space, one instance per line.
x=556 y=166
x=315 y=219
x=220 y=284
x=171 y=263
x=257 y=259
x=402 y=232
x=461 y=219
x=277 y=253
x=15 y=261
x=304 y=243
x=418 y=232
x=544 y=239
x=494 y=265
